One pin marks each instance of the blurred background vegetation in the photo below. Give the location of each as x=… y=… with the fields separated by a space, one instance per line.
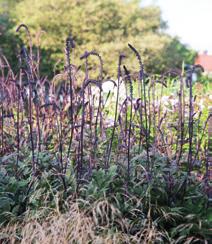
x=106 y=26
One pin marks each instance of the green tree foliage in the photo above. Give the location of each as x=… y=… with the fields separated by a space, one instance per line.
x=8 y=40
x=106 y=26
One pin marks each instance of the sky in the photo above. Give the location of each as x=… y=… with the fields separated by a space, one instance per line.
x=190 y=20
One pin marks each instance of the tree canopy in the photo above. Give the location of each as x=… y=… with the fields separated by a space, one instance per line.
x=105 y=26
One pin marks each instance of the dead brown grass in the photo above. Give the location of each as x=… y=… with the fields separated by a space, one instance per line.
x=74 y=226
x=100 y=223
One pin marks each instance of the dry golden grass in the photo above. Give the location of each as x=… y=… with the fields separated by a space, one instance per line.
x=74 y=226
x=97 y=223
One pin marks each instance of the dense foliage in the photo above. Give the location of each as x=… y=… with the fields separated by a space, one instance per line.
x=108 y=25
x=84 y=164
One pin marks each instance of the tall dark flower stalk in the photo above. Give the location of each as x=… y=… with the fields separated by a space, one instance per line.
x=140 y=90
x=99 y=109
x=69 y=46
x=159 y=102
x=81 y=142
x=29 y=71
x=37 y=111
x=121 y=136
x=61 y=102
x=30 y=83
x=190 y=122
x=91 y=114
x=36 y=102
x=191 y=114
x=61 y=140
x=2 y=96
x=126 y=115
x=121 y=57
x=18 y=114
x=98 y=83
x=130 y=120
x=153 y=82
x=143 y=87
x=28 y=36
x=181 y=118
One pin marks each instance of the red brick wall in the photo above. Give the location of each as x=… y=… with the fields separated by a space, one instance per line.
x=205 y=61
